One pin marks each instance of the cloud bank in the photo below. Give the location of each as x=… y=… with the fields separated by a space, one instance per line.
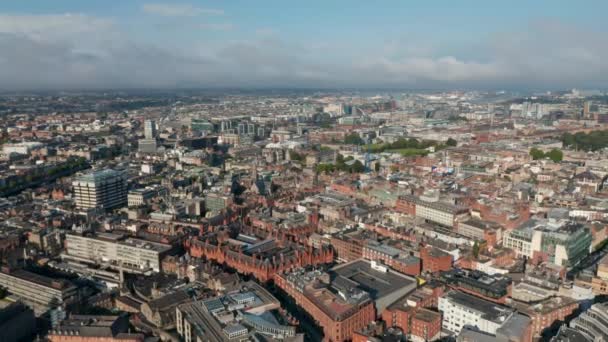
x=74 y=51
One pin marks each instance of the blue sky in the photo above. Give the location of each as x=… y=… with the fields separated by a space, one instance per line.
x=409 y=44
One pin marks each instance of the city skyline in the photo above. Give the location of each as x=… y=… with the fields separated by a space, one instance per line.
x=216 y=44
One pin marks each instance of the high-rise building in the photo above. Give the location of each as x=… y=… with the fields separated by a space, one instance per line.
x=150 y=129
x=587 y=109
x=103 y=189
x=148 y=144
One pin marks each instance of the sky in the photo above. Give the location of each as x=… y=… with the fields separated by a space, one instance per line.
x=408 y=44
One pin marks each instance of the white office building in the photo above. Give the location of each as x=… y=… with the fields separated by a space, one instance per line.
x=460 y=309
x=112 y=249
x=104 y=189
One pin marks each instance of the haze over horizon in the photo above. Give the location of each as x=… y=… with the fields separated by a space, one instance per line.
x=71 y=44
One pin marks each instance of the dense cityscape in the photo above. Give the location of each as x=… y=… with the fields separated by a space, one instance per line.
x=303 y=171
x=304 y=216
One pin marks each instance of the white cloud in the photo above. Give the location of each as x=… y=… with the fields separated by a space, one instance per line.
x=216 y=26
x=54 y=26
x=178 y=10
x=80 y=51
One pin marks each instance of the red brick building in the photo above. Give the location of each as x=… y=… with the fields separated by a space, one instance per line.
x=346 y=248
x=401 y=314
x=426 y=325
x=254 y=265
x=435 y=260
x=339 y=319
x=544 y=314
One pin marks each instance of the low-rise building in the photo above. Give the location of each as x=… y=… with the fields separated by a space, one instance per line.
x=460 y=309
x=37 y=291
x=116 y=250
x=241 y=314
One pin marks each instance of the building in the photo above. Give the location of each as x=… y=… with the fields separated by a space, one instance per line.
x=339 y=310
x=385 y=285
x=435 y=260
x=560 y=242
x=160 y=311
x=103 y=189
x=347 y=248
x=150 y=129
x=139 y=197
x=545 y=313
x=400 y=313
x=428 y=207
x=115 y=250
x=37 y=291
x=244 y=313
x=17 y=323
x=494 y=288
x=147 y=145
x=425 y=326
x=22 y=148
x=94 y=328
x=481 y=231
x=593 y=323
x=347 y=297
x=460 y=309
x=217 y=202
x=599 y=283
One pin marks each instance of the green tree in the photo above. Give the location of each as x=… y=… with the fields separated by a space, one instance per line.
x=295 y=156
x=357 y=167
x=536 y=154
x=451 y=142
x=476 y=250
x=353 y=139
x=556 y=155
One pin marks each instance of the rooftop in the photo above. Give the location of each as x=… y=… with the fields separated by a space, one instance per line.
x=488 y=310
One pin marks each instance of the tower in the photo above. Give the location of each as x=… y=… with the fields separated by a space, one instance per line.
x=150 y=129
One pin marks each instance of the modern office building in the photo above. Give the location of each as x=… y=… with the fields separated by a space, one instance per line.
x=114 y=249
x=460 y=309
x=245 y=314
x=150 y=129
x=102 y=189
x=37 y=291
x=561 y=242
x=149 y=143
x=216 y=202
x=593 y=323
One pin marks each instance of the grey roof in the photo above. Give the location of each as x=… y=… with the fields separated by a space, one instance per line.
x=376 y=283
x=489 y=310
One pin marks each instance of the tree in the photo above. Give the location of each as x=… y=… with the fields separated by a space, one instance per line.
x=353 y=139
x=357 y=167
x=556 y=155
x=451 y=142
x=295 y=156
x=536 y=154
x=476 y=250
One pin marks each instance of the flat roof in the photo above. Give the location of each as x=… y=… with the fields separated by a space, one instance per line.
x=375 y=282
x=489 y=310
x=58 y=284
